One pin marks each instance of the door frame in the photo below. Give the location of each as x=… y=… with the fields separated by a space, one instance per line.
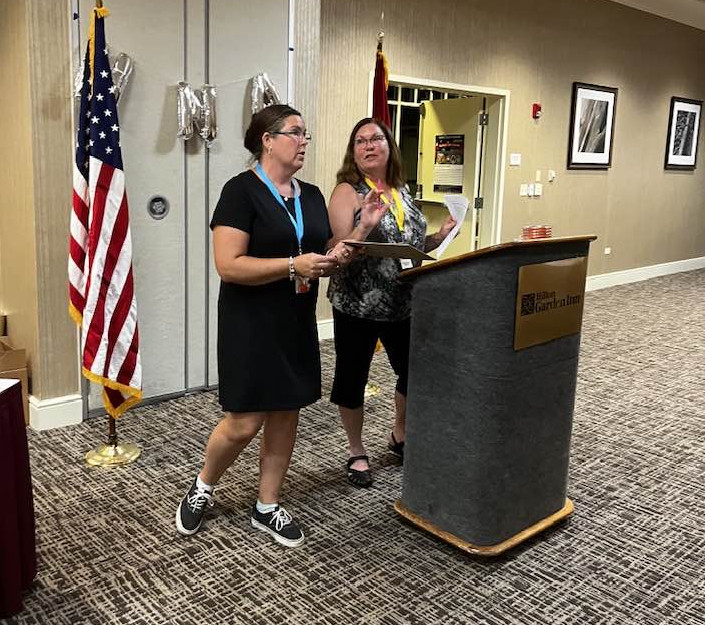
x=495 y=170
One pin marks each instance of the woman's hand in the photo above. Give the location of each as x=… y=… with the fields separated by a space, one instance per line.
x=313 y=265
x=372 y=210
x=435 y=239
x=342 y=253
x=447 y=226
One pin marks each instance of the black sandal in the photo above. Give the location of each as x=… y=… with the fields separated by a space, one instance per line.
x=361 y=479
x=396 y=447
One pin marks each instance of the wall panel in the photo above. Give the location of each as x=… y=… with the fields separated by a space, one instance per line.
x=56 y=371
x=18 y=287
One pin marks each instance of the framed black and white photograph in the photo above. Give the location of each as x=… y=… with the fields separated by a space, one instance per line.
x=683 y=132
x=591 y=126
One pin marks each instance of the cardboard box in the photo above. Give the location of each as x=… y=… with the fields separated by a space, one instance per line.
x=13 y=364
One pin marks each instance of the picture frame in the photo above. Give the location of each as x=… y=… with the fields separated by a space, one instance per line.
x=591 y=133
x=683 y=133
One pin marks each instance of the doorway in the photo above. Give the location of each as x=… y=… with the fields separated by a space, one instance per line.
x=477 y=117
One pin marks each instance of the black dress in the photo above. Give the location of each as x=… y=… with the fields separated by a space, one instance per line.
x=268 y=357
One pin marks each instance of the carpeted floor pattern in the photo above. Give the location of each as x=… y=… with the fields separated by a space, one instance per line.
x=634 y=551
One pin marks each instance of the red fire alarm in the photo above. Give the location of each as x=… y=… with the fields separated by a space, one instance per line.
x=535 y=110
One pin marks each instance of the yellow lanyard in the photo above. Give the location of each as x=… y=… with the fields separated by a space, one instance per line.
x=395 y=206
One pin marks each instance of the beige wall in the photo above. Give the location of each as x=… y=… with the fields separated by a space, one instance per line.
x=36 y=153
x=537 y=50
x=18 y=287
x=52 y=134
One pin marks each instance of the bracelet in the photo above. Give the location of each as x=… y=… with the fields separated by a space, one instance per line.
x=292 y=270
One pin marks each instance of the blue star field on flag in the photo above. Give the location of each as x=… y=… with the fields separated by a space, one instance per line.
x=99 y=131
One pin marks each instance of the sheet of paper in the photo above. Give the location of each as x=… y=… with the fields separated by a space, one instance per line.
x=390 y=250
x=457 y=205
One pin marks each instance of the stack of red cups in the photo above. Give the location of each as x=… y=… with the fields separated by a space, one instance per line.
x=529 y=233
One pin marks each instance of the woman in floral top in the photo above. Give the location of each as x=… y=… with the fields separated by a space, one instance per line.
x=369 y=301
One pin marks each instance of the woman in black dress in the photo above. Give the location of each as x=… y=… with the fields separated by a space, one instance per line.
x=270 y=234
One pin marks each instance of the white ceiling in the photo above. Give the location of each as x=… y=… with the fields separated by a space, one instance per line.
x=691 y=12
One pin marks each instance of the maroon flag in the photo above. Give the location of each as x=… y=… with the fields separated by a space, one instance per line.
x=101 y=286
x=380 y=108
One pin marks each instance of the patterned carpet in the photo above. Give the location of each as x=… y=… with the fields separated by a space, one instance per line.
x=634 y=551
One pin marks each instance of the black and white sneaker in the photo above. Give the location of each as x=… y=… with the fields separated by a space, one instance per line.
x=189 y=514
x=279 y=524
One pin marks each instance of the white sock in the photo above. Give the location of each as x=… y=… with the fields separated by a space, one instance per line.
x=264 y=508
x=202 y=485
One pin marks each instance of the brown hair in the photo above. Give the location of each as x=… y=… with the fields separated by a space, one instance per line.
x=349 y=171
x=270 y=119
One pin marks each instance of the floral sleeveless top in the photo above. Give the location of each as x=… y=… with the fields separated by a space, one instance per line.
x=369 y=287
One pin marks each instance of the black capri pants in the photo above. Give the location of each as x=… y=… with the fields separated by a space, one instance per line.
x=355 y=341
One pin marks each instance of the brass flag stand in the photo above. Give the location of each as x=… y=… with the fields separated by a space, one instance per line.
x=113 y=453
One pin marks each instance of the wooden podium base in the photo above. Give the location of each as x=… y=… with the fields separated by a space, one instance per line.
x=487 y=550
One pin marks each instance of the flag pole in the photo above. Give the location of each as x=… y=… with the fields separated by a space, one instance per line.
x=372 y=389
x=380 y=34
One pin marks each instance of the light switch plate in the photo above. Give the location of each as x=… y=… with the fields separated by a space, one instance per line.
x=523 y=190
x=538 y=189
x=514 y=159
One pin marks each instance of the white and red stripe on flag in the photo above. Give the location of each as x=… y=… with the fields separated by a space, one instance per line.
x=101 y=285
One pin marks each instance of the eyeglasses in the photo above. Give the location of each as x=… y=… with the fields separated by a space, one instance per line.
x=295 y=133
x=373 y=140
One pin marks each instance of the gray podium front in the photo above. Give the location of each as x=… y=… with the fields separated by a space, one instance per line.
x=495 y=337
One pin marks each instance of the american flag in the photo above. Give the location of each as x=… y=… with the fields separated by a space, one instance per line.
x=101 y=286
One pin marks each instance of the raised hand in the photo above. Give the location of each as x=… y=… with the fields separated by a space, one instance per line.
x=372 y=210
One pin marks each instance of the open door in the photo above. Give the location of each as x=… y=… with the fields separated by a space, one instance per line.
x=450 y=161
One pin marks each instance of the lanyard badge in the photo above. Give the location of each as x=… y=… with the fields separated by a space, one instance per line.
x=301 y=284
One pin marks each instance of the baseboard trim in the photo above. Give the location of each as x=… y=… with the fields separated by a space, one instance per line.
x=325 y=329
x=47 y=414
x=605 y=280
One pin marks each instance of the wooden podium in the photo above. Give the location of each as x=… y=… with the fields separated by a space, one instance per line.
x=495 y=337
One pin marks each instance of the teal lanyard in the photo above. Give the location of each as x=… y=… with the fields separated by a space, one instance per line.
x=298 y=222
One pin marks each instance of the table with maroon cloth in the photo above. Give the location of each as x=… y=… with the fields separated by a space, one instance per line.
x=18 y=562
